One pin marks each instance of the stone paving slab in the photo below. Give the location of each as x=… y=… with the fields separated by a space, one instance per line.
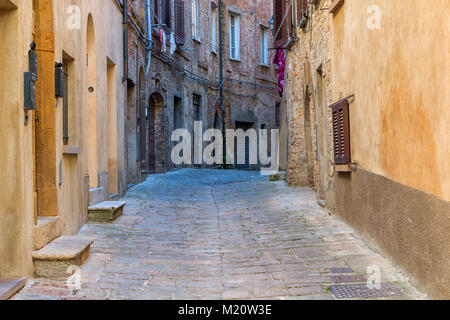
x=215 y=234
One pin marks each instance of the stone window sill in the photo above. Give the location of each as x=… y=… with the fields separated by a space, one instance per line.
x=71 y=150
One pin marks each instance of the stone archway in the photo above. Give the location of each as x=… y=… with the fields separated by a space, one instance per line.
x=156 y=145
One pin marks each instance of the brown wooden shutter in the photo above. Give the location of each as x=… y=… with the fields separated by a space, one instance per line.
x=179 y=22
x=156 y=10
x=341 y=132
x=280 y=30
x=167 y=14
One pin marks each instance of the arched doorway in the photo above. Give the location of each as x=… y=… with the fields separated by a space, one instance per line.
x=92 y=143
x=142 y=123
x=156 y=133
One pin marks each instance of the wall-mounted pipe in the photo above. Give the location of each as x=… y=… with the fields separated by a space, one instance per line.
x=149 y=36
x=125 y=40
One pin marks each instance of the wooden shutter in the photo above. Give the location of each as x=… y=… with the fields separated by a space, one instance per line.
x=156 y=10
x=179 y=22
x=341 y=132
x=280 y=30
x=167 y=14
x=302 y=7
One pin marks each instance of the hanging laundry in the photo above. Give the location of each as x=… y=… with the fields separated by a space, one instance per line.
x=164 y=47
x=280 y=61
x=173 y=45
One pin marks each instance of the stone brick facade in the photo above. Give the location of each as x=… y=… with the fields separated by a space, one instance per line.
x=192 y=72
x=306 y=98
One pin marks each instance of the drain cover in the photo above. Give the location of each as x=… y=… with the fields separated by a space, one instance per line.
x=342 y=270
x=349 y=278
x=348 y=291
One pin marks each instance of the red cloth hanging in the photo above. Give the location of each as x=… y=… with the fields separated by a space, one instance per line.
x=280 y=61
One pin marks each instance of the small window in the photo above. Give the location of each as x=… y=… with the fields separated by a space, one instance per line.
x=264 y=46
x=167 y=10
x=195 y=22
x=277 y=115
x=214 y=28
x=197 y=107
x=179 y=22
x=235 y=35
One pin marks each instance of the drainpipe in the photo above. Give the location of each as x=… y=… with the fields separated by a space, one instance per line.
x=221 y=83
x=125 y=40
x=149 y=36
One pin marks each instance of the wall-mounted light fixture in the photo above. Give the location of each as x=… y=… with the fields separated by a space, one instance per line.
x=59 y=80
x=30 y=79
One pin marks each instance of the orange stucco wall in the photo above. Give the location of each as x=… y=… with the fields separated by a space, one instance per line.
x=399 y=75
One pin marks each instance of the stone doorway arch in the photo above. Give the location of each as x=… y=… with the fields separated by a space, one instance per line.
x=156 y=145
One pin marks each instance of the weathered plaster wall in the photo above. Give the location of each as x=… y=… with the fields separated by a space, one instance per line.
x=399 y=75
x=16 y=162
x=398 y=197
x=107 y=18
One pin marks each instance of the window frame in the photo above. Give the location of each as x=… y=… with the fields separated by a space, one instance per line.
x=214 y=25
x=195 y=26
x=237 y=36
x=264 y=47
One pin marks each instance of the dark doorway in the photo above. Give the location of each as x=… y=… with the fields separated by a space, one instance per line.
x=244 y=126
x=177 y=113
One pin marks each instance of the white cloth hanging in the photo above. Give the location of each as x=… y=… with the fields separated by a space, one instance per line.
x=173 y=45
x=164 y=47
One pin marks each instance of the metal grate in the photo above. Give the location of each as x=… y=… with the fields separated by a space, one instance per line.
x=342 y=270
x=349 y=278
x=348 y=291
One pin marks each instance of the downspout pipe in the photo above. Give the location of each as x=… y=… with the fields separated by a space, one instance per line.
x=125 y=40
x=149 y=36
x=221 y=82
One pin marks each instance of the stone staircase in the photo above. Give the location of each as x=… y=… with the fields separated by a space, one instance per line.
x=106 y=211
x=53 y=253
x=9 y=287
x=278 y=176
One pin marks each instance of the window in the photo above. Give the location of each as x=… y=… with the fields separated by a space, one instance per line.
x=166 y=9
x=279 y=22
x=66 y=103
x=235 y=37
x=341 y=132
x=264 y=46
x=213 y=28
x=197 y=110
x=277 y=115
x=195 y=22
x=69 y=105
x=177 y=113
x=179 y=22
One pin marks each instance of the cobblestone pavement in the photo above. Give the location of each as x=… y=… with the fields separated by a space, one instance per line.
x=214 y=234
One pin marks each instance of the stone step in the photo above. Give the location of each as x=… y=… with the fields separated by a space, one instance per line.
x=96 y=195
x=106 y=211
x=54 y=260
x=46 y=230
x=278 y=176
x=9 y=287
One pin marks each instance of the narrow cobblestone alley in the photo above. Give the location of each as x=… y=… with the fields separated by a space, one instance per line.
x=214 y=234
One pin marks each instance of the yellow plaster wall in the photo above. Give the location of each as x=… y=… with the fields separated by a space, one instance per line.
x=107 y=20
x=399 y=75
x=16 y=161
